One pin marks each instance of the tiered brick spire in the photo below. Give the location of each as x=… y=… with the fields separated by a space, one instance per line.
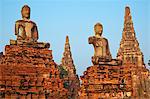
x=72 y=79
x=129 y=51
x=67 y=61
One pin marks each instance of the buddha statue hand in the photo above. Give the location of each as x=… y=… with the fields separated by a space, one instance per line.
x=97 y=59
x=91 y=40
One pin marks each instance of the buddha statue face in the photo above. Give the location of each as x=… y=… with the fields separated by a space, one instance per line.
x=98 y=28
x=25 y=12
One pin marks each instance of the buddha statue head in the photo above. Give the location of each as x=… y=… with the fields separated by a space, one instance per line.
x=98 y=28
x=25 y=11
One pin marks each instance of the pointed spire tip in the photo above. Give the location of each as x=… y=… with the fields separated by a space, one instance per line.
x=127 y=10
x=67 y=38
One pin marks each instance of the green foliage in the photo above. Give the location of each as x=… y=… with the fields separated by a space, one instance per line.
x=32 y=93
x=63 y=72
x=18 y=93
x=66 y=84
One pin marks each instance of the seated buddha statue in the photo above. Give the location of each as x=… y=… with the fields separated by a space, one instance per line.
x=101 y=47
x=25 y=29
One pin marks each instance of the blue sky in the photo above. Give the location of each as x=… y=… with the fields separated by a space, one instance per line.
x=57 y=18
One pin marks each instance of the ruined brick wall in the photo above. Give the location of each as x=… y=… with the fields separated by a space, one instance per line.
x=104 y=82
x=29 y=72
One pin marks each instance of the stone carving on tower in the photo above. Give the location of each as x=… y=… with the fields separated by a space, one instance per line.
x=129 y=51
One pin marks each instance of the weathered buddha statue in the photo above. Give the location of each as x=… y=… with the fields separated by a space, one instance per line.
x=101 y=47
x=25 y=29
